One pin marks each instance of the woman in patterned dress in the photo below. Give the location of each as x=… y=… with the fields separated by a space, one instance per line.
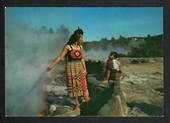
x=75 y=68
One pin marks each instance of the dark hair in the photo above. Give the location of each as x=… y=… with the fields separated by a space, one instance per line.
x=115 y=54
x=75 y=36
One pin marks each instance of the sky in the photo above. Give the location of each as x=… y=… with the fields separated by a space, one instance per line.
x=97 y=22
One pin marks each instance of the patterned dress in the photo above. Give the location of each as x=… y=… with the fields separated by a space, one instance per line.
x=77 y=85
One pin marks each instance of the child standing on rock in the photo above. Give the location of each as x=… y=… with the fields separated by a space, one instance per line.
x=112 y=69
x=113 y=73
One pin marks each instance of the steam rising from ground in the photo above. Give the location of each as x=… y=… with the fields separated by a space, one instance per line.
x=27 y=53
x=101 y=54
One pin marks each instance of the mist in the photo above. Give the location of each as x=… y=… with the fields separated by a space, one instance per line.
x=102 y=54
x=28 y=51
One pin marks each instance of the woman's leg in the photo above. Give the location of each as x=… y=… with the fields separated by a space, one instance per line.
x=77 y=106
x=86 y=96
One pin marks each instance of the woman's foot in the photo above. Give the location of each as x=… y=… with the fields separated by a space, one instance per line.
x=77 y=108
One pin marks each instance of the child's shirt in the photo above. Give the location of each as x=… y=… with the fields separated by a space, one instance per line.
x=116 y=64
x=113 y=64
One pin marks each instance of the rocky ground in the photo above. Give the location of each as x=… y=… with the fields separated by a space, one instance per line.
x=143 y=87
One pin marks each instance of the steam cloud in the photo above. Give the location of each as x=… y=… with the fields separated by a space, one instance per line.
x=102 y=54
x=28 y=51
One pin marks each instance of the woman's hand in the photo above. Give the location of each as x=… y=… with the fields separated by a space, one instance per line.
x=58 y=58
x=49 y=67
x=84 y=72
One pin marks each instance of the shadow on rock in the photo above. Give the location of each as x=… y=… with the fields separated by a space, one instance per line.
x=147 y=108
x=99 y=96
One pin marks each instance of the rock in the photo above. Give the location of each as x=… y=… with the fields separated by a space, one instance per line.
x=136 y=112
x=143 y=87
x=59 y=110
x=60 y=100
x=56 y=90
x=116 y=106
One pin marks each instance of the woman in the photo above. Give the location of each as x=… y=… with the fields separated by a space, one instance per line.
x=75 y=68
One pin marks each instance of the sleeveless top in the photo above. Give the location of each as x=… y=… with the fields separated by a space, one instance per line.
x=73 y=55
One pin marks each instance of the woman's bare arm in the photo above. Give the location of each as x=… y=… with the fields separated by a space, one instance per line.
x=58 y=58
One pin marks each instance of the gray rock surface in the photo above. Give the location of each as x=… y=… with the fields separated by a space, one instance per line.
x=143 y=87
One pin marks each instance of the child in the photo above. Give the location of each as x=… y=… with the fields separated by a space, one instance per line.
x=112 y=69
x=113 y=72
